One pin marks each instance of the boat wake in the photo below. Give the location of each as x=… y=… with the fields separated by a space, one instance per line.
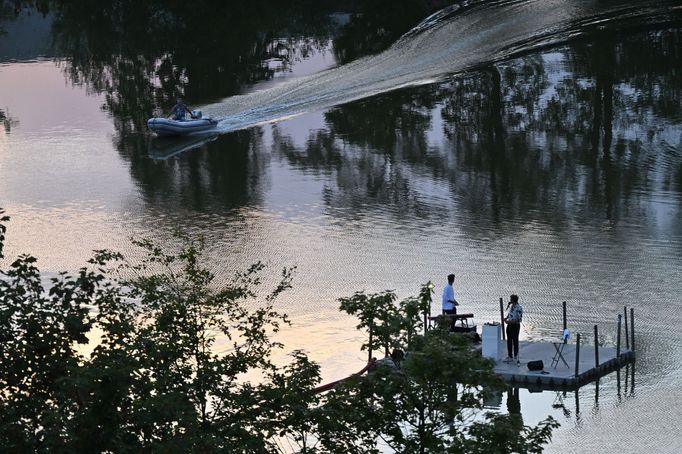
x=448 y=43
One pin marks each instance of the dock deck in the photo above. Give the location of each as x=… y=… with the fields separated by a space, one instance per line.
x=561 y=377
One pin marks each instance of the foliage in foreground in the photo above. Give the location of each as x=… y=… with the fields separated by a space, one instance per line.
x=157 y=378
x=182 y=365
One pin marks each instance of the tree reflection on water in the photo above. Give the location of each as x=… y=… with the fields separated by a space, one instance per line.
x=586 y=129
x=7 y=121
x=582 y=132
x=143 y=54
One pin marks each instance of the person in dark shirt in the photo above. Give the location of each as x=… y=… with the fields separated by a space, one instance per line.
x=179 y=110
x=513 y=321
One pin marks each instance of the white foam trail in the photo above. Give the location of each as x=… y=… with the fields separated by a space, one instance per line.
x=432 y=51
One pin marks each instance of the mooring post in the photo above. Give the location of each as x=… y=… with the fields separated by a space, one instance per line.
x=632 y=327
x=427 y=310
x=596 y=346
x=627 y=337
x=502 y=317
x=618 y=382
x=565 y=325
x=632 y=380
x=577 y=354
x=369 y=344
x=577 y=401
x=618 y=340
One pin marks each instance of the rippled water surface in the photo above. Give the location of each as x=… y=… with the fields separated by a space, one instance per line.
x=482 y=143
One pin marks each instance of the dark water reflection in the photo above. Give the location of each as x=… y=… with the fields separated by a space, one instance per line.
x=583 y=133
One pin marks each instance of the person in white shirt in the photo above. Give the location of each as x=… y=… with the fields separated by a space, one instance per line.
x=449 y=301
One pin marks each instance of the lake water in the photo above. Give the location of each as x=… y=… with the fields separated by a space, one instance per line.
x=531 y=147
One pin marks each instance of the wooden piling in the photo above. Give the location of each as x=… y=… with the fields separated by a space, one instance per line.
x=618 y=383
x=577 y=402
x=427 y=310
x=565 y=325
x=577 y=354
x=369 y=344
x=627 y=337
x=618 y=340
x=632 y=380
x=632 y=328
x=596 y=346
x=502 y=318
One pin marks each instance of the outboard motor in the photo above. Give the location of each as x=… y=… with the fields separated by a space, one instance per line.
x=196 y=114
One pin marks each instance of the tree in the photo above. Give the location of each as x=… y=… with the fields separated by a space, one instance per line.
x=179 y=362
x=39 y=333
x=378 y=315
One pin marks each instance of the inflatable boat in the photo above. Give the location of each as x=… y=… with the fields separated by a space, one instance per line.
x=168 y=127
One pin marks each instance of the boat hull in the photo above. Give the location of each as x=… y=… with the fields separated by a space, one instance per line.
x=167 y=127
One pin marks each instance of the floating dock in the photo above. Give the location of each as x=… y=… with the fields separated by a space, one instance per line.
x=578 y=364
x=562 y=376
